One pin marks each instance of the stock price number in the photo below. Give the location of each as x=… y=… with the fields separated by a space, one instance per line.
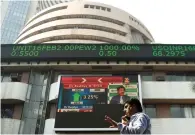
x=168 y=53
x=90 y=97
x=108 y=53
x=25 y=53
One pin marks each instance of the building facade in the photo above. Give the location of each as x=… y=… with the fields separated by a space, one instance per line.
x=83 y=22
x=13 y=16
x=29 y=89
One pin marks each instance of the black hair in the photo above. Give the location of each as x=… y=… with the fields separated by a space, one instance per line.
x=136 y=102
x=120 y=87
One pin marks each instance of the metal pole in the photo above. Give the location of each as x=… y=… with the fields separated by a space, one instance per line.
x=140 y=89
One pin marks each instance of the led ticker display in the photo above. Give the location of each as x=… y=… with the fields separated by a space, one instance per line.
x=87 y=99
x=29 y=52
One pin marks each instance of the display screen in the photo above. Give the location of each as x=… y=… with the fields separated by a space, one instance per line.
x=11 y=52
x=87 y=99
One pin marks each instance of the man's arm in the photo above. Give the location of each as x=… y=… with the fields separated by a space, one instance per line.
x=139 y=126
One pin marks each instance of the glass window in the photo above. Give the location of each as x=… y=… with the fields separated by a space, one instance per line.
x=92 y=6
x=7 y=111
x=108 y=9
x=150 y=110
x=175 y=77
x=15 y=17
x=190 y=78
x=147 y=78
x=86 y=6
x=177 y=111
x=103 y=8
x=193 y=111
x=97 y=7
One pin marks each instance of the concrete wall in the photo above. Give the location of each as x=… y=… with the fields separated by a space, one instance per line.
x=14 y=90
x=159 y=126
x=168 y=90
x=10 y=126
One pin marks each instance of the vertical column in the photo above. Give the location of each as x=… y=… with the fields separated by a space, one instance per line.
x=140 y=89
x=128 y=36
x=136 y=37
x=35 y=105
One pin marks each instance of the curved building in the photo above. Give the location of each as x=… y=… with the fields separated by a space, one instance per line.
x=43 y=4
x=30 y=87
x=83 y=22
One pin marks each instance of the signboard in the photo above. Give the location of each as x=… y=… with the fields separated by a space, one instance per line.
x=28 y=52
x=84 y=101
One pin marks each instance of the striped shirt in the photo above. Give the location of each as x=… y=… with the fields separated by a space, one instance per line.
x=139 y=124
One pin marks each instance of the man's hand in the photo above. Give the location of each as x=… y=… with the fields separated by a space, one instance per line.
x=111 y=121
x=113 y=127
x=124 y=120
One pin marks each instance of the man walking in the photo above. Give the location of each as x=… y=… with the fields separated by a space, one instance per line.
x=134 y=121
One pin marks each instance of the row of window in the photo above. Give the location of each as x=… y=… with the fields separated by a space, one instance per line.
x=98 y=7
x=60 y=27
x=65 y=7
x=34 y=78
x=169 y=78
x=9 y=77
x=176 y=111
x=73 y=16
x=48 y=11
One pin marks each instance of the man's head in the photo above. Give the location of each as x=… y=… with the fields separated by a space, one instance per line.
x=121 y=91
x=132 y=106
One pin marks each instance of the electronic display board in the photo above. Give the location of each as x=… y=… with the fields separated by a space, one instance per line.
x=28 y=52
x=84 y=101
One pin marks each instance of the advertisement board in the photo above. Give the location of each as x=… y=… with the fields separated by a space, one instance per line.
x=84 y=101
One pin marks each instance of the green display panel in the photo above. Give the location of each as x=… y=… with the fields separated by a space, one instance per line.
x=29 y=52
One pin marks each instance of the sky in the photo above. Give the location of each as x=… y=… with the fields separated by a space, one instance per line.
x=169 y=21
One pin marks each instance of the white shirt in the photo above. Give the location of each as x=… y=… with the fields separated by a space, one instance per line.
x=139 y=124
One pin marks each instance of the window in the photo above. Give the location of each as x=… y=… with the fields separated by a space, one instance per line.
x=175 y=78
x=86 y=6
x=103 y=8
x=97 y=7
x=92 y=6
x=147 y=77
x=7 y=111
x=11 y=77
x=190 y=77
x=177 y=111
x=108 y=9
x=193 y=111
x=150 y=110
x=15 y=77
x=51 y=110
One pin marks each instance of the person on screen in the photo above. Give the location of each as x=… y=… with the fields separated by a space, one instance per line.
x=134 y=121
x=120 y=98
